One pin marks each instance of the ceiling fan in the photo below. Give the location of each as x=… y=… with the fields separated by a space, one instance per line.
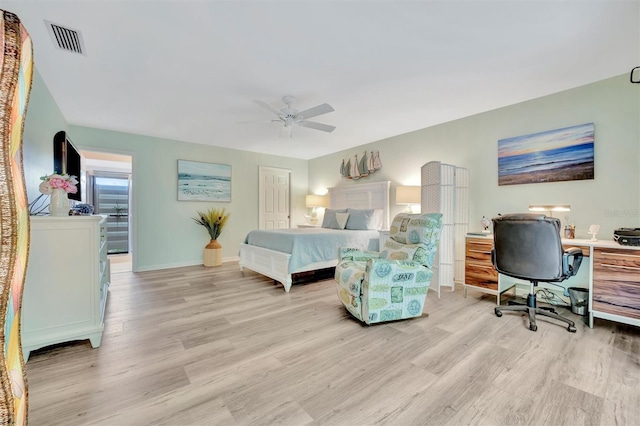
x=290 y=117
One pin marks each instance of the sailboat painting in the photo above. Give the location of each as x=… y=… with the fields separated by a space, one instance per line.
x=551 y=156
x=355 y=169
x=365 y=166
x=204 y=181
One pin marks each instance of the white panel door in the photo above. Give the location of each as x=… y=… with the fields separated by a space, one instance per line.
x=274 y=193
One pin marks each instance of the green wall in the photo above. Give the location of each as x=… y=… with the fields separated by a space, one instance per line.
x=44 y=120
x=164 y=234
x=611 y=200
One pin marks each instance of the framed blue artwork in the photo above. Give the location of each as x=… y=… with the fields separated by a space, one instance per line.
x=204 y=181
x=551 y=156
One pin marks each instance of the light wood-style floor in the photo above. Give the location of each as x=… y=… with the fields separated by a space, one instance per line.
x=120 y=263
x=214 y=346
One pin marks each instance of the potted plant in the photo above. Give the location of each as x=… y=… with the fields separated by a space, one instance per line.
x=58 y=186
x=214 y=221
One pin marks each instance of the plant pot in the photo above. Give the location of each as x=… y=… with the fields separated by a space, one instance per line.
x=213 y=254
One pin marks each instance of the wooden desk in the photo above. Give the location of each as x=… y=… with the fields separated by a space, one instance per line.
x=479 y=273
x=613 y=275
x=614 y=284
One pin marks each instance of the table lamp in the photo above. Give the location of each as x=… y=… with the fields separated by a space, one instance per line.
x=409 y=195
x=314 y=202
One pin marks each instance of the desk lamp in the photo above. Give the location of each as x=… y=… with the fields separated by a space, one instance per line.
x=549 y=208
x=314 y=202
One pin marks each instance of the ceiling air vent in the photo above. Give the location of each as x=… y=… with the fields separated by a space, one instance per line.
x=66 y=38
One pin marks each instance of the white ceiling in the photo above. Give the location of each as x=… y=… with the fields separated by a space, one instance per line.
x=190 y=70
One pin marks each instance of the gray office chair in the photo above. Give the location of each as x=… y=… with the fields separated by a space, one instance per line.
x=528 y=247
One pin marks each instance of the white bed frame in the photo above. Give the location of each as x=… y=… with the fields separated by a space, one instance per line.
x=275 y=264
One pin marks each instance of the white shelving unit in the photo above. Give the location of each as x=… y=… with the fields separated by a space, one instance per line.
x=445 y=189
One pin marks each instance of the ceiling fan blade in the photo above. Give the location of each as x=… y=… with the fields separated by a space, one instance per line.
x=271 y=108
x=316 y=110
x=317 y=126
x=258 y=122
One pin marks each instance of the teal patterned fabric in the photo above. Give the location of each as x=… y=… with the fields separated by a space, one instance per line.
x=375 y=289
x=396 y=251
x=422 y=229
x=349 y=276
x=348 y=253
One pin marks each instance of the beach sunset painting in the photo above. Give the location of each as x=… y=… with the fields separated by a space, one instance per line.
x=551 y=156
x=203 y=181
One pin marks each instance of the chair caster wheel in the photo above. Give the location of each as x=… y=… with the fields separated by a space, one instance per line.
x=533 y=327
x=497 y=312
x=571 y=329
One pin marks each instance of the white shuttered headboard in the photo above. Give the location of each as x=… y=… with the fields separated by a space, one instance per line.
x=373 y=195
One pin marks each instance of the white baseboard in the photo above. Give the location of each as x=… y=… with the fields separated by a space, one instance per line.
x=181 y=264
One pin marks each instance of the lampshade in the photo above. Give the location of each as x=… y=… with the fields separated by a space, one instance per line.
x=408 y=195
x=549 y=208
x=313 y=200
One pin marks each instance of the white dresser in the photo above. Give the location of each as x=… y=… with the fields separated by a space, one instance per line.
x=65 y=291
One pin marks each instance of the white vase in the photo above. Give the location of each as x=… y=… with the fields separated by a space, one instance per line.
x=59 y=205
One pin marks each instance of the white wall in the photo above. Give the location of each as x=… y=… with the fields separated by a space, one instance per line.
x=612 y=199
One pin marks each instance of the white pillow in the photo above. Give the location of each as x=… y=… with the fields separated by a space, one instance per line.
x=376 y=220
x=329 y=220
x=342 y=219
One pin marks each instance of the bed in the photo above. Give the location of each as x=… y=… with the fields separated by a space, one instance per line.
x=301 y=250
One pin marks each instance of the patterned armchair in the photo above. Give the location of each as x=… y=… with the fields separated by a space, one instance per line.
x=392 y=284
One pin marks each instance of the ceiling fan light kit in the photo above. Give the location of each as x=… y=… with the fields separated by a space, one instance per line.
x=290 y=117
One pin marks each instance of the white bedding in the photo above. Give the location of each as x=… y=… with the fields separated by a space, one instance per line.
x=278 y=264
x=312 y=245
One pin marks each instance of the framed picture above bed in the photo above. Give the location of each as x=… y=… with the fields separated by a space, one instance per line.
x=199 y=181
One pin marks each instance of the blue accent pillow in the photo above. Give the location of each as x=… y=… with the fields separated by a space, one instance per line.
x=360 y=219
x=330 y=221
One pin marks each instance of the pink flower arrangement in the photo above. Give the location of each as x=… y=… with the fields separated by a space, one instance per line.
x=56 y=181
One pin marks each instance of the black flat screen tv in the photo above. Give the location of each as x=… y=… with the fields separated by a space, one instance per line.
x=67 y=159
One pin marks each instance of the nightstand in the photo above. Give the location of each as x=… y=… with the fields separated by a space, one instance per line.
x=308 y=225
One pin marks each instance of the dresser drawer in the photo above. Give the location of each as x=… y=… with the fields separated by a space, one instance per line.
x=481 y=275
x=616 y=265
x=478 y=250
x=479 y=270
x=616 y=281
x=103 y=234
